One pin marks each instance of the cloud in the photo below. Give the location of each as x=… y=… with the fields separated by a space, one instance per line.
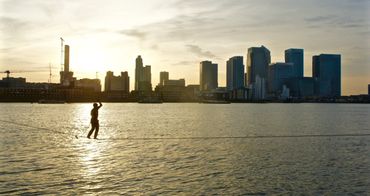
x=199 y=51
x=185 y=63
x=335 y=21
x=134 y=33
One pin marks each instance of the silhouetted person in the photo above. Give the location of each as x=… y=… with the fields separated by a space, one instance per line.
x=94 y=120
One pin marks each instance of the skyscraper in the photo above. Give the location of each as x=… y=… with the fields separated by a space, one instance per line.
x=326 y=70
x=143 y=76
x=235 y=73
x=138 y=72
x=258 y=60
x=163 y=76
x=296 y=57
x=146 y=82
x=279 y=73
x=208 y=76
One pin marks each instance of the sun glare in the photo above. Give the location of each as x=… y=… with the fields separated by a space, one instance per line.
x=88 y=59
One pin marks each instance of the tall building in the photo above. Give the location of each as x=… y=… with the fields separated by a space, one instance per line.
x=258 y=60
x=163 y=76
x=326 y=70
x=208 y=76
x=138 y=72
x=146 y=82
x=279 y=73
x=143 y=76
x=117 y=83
x=126 y=81
x=368 y=89
x=235 y=73
x=296 y=57
x=66 y=76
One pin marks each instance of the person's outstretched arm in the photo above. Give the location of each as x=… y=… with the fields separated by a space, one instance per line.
x=100 y=105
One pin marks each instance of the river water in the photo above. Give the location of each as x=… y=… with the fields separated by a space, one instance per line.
x=185 y=149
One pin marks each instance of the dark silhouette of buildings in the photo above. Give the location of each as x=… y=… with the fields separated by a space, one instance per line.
x=208 y=76
x=163 y=76
x=170 y=90
x=89 y=83
x=117 y=88
x=326 y=70
x=262 y=81
x=278 y=76
x=258 y=60
x=143 y=77
x=296 y=57
x=301 y=87
x=117 y=83
x=235 y=73
x=138 y=71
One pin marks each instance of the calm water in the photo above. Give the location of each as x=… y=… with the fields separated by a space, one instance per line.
x=39 y=153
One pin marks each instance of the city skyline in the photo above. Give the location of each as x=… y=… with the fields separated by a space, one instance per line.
x=175 y=36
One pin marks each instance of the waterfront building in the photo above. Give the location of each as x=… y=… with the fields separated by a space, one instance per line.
x=138 y=72
x=171 y=90
x=10 y=82
x=146 y=83
x=258 y=60
x=89 y=83
x=117 y=83
x=301 y=87
x=259 y=89
x=296 y=57
x=279 y=73
x=235 y=73
x=191 y=93
x=143 y=76
x=208 y=76
x=163 y=76
x=326 y=70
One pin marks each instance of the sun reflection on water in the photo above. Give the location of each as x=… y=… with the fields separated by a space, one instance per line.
x=89 y=150
x=90 y=158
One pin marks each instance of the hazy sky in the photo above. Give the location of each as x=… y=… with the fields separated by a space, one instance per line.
x=175 y=35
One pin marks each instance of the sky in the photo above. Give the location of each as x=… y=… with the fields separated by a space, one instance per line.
x=175 y=35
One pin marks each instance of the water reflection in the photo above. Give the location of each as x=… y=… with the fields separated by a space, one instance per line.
x=91 y=152
x=61 y=163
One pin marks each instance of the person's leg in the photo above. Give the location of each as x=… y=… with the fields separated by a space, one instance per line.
x=91 y=131
x=96 y=131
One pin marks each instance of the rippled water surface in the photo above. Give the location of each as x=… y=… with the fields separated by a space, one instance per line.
x=186 y=149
